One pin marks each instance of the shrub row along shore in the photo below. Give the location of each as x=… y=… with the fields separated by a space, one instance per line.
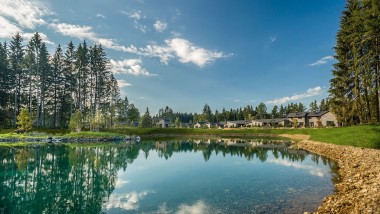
x=359 y=189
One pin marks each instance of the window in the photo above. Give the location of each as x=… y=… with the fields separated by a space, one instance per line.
x=330 y=123
x=311 y=124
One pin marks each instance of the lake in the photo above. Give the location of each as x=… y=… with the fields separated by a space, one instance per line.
x=164 y=176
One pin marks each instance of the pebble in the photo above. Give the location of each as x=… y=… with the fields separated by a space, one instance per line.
x=359 y=189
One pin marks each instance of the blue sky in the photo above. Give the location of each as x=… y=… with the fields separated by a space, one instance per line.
x=183 y=54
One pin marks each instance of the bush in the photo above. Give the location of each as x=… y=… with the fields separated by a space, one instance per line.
x=24 y=121
x=76 y=123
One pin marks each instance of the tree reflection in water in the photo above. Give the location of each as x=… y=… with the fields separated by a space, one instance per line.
x=80 y=179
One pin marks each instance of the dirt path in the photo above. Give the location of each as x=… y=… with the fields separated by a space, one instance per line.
x=359 y=190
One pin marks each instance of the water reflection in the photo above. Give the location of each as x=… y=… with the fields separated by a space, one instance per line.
x=74 y=179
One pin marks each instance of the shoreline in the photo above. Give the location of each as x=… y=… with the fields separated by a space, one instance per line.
x=359 y=168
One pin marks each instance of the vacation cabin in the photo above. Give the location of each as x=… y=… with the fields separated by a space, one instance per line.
x=314 y=119
x=162 y=123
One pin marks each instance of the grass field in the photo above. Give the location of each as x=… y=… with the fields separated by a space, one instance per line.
x=359 y=136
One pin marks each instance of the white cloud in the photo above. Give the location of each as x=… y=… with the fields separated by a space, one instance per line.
x=309 y=93
x=141 y=27
x=312 y=170
x=197 y=208
x=8 y=29
x=78 y=31
x=123 y=83
x=28 y=37
x=160 y=26
x=183 y=50
x=128 y=201
x=120 y=182
x=129 y=66
x=135 y=15
x=100 y=16
x=86 y=32
x=322 y=61
x=27 y=14
x=273 y=38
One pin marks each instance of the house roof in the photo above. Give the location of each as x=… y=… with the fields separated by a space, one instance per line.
x=308 y=114
x=317 y=114
x=275 y=120
x=238 y=122
x=202 y=123
x=297 y=114
x=160 y=118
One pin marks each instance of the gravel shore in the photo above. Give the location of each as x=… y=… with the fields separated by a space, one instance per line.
x=359 y=189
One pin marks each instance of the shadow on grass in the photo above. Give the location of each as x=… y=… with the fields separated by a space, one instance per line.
x=377 y=142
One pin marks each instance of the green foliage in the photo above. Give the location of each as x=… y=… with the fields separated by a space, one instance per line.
x=314 y=106
x=261 y=110
x=146 y=120
x=24 y=121
x=52 y=87
x=177 y=122
x=133 y=113
x=354 y=88
x=76 y=123
x=96 y=121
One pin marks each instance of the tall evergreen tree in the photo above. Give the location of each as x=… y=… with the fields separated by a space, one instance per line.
x=146 y=120
x=5 y=85
x=354 y=89
x=16 y=57
x=58 y=85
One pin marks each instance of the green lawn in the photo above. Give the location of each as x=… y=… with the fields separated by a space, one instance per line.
x=359 y=136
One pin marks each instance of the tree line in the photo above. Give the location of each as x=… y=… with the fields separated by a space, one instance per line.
x=246 y=113
x=354 y=88
x=54 y=86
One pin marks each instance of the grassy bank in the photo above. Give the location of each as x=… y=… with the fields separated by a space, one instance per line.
x=359 y=136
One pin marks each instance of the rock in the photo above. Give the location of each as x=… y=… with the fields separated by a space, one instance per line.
x=359 y=168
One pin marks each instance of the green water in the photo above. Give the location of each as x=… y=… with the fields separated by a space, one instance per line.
x=183 y=176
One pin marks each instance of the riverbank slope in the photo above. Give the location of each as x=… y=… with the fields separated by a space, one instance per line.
x=359 y=189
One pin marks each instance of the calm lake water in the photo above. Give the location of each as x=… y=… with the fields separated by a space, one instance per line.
x=182 y=176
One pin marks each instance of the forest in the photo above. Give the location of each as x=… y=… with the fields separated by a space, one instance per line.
x=53 y=87
x=354 y=88
x=75 y=83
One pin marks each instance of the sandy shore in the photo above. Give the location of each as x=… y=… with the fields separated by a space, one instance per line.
x=359 y=190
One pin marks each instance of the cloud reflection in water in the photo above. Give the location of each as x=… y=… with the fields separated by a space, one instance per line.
x=128 y=201
x=312 y=170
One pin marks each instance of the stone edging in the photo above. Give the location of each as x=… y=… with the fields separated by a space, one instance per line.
x=359 y=190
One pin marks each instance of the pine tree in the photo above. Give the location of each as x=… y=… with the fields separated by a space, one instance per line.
x=314 y=106
x=354 y=89
x=58 y=85
x=275 y=113
x=24 y=120
x=146 y=120
x=133 y=114
x=5 y=85
x=70 y=81
x=16 y=57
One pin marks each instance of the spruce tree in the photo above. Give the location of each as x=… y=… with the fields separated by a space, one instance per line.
x=16 y=57
x=146 y=120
